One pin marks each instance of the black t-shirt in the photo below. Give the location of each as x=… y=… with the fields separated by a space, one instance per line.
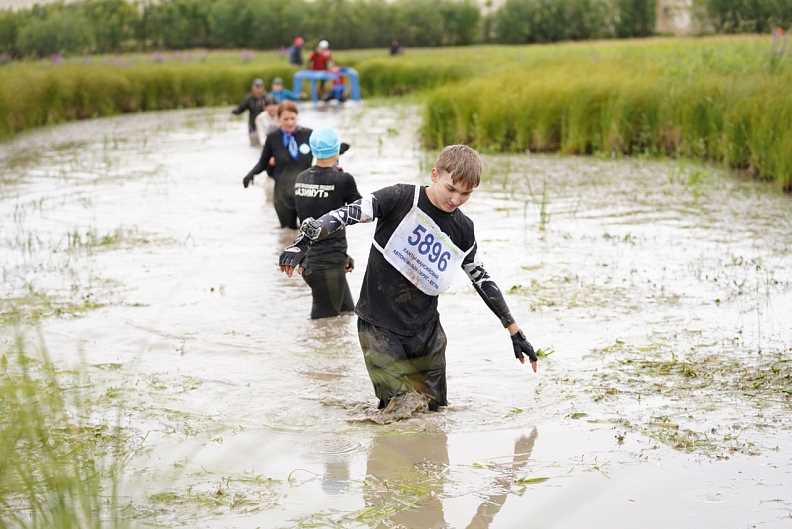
x=387 y=298
x=316 y=191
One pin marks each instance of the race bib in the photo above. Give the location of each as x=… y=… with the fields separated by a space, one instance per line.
x=423 y=253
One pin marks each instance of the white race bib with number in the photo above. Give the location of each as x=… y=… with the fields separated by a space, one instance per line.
x=422 y=252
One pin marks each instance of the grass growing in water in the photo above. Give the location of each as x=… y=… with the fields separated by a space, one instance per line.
x=60 y=469
x=36 y=305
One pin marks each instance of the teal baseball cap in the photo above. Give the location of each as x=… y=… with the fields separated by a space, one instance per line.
x=324 y=143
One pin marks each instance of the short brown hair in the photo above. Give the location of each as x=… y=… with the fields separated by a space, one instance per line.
x=462 y=163
x=287 y=106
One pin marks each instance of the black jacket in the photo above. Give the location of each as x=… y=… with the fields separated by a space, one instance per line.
x=255 y=106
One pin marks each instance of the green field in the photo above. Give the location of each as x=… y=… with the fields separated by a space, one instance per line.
x=723 y=99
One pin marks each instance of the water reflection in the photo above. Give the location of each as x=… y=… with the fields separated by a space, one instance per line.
x=406 y=476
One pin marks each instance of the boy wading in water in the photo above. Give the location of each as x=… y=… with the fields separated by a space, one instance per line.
x=421 y=240
x=322 y=188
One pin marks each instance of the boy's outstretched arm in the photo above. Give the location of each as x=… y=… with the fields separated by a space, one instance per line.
x=492 y=296
x=313 y=230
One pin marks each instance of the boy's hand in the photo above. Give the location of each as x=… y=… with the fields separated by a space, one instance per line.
x=350 y=264
x=247 y=180
x=522 y=346
x=292 y=256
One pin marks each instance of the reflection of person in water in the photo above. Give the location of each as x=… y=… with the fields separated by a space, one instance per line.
x=493 y=503
x=421 y=240
x=393 y=459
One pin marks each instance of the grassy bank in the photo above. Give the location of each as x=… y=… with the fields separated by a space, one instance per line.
x=34 y=94
x=721 y=100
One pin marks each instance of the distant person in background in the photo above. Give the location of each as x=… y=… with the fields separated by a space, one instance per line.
x=320 y=60
x=286 y=154
x=395 y=47
x=280 y=94
x=338 y=89
x=295 y=52
x=254 y=104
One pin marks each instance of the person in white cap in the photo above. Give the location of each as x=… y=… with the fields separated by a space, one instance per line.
x=321 y=59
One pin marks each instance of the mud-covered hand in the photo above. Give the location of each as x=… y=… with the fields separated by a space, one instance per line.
x=522 y=347
x=292 y=256
x=349 y=265
x=248 y=180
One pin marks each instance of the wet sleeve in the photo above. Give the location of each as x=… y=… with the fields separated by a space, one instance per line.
x=263 y=163
x=242 y=107
x=487 y=288
x=372 y=206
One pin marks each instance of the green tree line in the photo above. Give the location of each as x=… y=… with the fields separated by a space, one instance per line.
x=112 y=26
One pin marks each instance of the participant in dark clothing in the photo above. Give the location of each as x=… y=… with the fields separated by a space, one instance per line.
x=322 y=188
x=421 y=240
x=295 y=52
x=254 y=104
x=285 y=155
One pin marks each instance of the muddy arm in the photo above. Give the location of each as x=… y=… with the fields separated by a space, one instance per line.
x=488 y=291
x=357 y=212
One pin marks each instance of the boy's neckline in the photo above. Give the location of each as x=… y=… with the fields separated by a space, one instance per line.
x=429 y=200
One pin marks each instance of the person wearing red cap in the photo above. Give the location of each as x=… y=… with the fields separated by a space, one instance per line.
x=295 y=52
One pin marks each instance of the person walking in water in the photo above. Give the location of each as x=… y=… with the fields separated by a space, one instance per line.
x=322 y=188
x=254 y=103
x=285 y=155
x=421 y=239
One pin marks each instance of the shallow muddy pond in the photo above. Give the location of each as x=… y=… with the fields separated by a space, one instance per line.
x=661 y=293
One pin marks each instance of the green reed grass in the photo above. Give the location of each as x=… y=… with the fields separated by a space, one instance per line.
x=34 y=94
x=718 y=100
x=61 y=466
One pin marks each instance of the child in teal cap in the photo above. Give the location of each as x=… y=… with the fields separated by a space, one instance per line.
x=322 y=188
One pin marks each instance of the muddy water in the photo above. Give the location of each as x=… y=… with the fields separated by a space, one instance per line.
x=660 y=290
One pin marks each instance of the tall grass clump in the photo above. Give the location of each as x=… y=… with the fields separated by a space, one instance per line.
x=721 y=105
x=36 y=94
x=33 y=95
x=61 y=466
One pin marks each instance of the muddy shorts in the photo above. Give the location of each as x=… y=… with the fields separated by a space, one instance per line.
x=330 y=291
x=399 y=364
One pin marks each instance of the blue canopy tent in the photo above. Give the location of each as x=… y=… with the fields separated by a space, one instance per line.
x=322 y=75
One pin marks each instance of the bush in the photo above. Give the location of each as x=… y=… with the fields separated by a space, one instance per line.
x=58 y=32
x=525 y=21
x=755 y=16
